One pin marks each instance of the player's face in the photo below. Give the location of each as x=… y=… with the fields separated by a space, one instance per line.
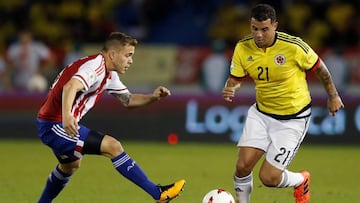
x=122 y=59
x=263 y=32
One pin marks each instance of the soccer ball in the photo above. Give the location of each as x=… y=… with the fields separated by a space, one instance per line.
x=218 y=196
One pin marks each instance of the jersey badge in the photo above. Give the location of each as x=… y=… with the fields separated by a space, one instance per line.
x=280 y=59
x=250 y=58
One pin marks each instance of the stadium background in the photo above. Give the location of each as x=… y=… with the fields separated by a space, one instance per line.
x=175 y=38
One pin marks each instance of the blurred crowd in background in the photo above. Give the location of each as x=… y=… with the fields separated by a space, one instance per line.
x=39 y=37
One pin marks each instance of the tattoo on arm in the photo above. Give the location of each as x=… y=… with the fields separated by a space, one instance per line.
x=324 y=76
x=124 y=98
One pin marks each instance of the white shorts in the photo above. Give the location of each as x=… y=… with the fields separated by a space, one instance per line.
x=279 y=139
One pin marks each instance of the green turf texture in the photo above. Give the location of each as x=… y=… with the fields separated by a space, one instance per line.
x=25 y=165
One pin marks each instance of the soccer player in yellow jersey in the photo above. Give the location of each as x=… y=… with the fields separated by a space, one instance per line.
x=277 y=123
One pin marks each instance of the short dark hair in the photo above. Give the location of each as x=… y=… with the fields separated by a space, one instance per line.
x=262 y=12
x=117 y=39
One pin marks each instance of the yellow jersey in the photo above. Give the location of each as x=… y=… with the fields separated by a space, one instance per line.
x=279 y=72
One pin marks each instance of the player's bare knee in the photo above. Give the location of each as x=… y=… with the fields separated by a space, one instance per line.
x=70 y=168
x=111 y=147
x=242 y=169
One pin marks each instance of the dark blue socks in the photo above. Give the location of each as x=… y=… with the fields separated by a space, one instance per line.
x=55 y=183
x=122 y=163
x=129 y=169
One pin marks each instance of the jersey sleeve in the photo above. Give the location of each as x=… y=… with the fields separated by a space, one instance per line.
x=115 y=86
x=89 y=72
x=236 y=69
x=308 y=59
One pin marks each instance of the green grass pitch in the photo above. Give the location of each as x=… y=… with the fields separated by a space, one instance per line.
x=25 y=165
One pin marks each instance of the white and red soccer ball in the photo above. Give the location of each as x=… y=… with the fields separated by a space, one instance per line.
x=218 y=196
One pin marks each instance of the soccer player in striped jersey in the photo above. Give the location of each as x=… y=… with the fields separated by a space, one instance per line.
x=74 y=92
x=277 y=123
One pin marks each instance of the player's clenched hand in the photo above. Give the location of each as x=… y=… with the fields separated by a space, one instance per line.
x=161 y=92
x=228 y=93
x=70 y=125
x=334 y=104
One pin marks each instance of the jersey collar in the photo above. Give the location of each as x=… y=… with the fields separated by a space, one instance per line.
x=275 y=39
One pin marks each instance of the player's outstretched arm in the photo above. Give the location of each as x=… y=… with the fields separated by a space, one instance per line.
x=334 y=102
x=138 y=100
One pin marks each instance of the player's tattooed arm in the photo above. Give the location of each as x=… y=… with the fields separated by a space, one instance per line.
x=334 y=102
x=324 y=76
x=124 y=98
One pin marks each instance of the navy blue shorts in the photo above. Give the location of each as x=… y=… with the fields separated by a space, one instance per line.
x=66 y=148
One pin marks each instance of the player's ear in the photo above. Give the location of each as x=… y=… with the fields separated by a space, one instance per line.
x=111 y=54
x=275 y=24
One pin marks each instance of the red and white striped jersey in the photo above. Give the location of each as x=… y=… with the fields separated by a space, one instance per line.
x=92 y=73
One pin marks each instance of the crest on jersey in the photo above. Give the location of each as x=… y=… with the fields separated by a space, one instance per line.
x=280 y=59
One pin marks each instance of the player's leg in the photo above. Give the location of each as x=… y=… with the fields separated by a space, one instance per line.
x=274 y=177
x=126 y=166
x=243 y=179
x=110 y=147
x=252 y=145
x=57 y=180
x=286 y=138
x=67 y=150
